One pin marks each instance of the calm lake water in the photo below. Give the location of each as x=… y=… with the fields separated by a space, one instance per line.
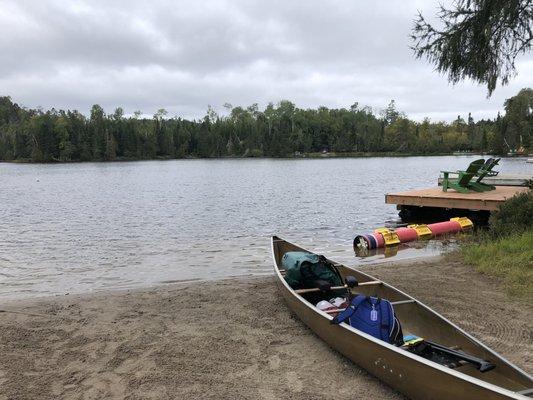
x=71 y=228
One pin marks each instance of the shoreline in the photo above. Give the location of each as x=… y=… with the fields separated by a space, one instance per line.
x=310 y=156
x=8 y=301
x=230 y=338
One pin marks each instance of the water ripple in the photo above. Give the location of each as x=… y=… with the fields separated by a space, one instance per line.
x=93 y=226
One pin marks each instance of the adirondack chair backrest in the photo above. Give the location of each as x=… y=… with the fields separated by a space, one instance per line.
x=489 y=165
x=475 y=165
x=473 y=168
x=486 y=169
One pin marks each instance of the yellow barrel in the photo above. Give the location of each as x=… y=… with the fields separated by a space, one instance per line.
x=391 y=238
x=464 y=222
x=422 y=230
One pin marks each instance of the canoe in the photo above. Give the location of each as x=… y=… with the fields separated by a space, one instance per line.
x=413 y=375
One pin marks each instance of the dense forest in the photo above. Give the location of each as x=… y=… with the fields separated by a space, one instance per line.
x=277 y=131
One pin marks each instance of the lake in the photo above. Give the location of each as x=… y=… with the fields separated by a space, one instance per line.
x=71 y=228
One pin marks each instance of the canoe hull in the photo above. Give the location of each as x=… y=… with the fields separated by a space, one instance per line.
x=411 y=375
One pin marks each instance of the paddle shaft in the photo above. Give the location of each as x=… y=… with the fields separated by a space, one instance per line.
x=301 y=291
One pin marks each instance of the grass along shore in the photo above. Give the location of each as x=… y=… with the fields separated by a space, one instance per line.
x=506 y=249
x=509 y=258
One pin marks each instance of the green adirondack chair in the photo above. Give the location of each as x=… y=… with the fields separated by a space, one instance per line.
x=485 y=170
x=464 y=178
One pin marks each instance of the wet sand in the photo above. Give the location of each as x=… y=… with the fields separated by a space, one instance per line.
x=226 y=339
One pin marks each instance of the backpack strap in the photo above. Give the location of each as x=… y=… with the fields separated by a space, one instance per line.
x=385 y=311
x=394 y=326
x=349 y=311
x=332 y=267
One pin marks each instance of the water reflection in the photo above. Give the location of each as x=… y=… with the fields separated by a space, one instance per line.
x=406 y=250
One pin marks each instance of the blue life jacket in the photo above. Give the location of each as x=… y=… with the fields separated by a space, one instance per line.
x=373 y=316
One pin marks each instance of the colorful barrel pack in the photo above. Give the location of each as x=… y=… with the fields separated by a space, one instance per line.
x=384 y=237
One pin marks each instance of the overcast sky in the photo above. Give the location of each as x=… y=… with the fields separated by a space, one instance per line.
x=184 y=55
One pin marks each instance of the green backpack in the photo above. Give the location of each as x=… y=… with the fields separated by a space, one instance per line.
x=304 y=268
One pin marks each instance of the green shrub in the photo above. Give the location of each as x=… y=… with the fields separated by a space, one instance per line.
x=256 y=153
x=515 y=216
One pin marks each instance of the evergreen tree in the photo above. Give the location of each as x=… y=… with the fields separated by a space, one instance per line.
x=277 y=131
x=479 y=39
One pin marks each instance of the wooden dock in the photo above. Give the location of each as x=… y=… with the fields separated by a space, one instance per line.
x=436 y=198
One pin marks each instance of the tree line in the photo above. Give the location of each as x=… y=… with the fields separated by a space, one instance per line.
x=279 y=130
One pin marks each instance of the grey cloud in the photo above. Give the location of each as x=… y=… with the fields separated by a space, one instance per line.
x=184 y=55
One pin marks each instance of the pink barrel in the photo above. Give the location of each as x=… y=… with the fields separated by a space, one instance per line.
x=368 y=239
x=440 y=228
x=406 y=234
x=380 y=242
x=375 y=240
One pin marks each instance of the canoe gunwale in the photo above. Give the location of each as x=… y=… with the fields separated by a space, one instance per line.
x=457 y=374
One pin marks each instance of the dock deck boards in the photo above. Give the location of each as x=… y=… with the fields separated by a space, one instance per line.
x=435 y=197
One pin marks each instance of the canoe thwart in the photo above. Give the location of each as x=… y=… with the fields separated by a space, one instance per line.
x=311 y=290
x=393 y=303
x=335 y=310
x=397 y=303
x=369 y=283
x=527 y=392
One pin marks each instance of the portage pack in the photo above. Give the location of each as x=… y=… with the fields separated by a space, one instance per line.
x=305 y=269
x=373 y=316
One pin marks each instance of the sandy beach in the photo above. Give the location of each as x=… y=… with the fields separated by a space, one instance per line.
x=225 y=339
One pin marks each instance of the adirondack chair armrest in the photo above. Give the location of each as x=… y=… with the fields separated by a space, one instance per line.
x=446 y=174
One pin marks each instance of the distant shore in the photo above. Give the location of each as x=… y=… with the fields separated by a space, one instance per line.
x=232 y=338
x=293 y=157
